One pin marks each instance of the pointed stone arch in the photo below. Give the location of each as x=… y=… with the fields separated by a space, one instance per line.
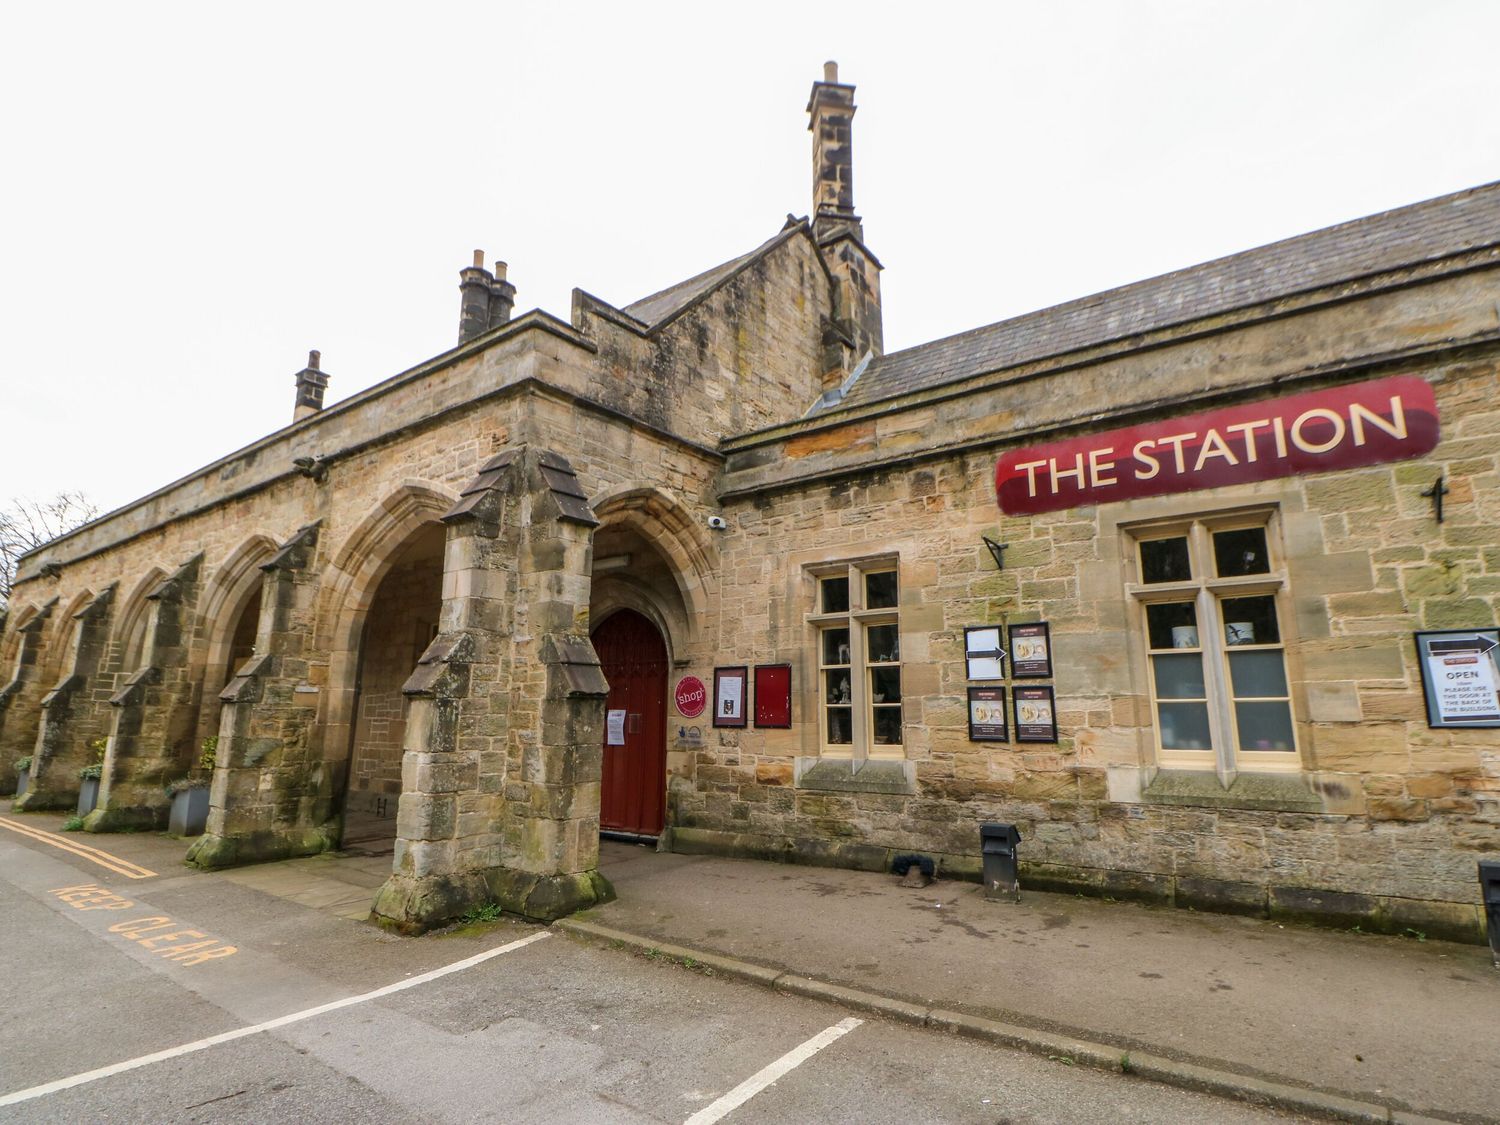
x=60 y=635
x=671 y=530
x=353 y=578
x=234 y=582
x=130 y=622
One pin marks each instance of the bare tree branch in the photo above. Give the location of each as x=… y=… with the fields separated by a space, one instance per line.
x=26 y=523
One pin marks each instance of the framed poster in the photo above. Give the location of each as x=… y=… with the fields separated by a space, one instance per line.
x=1460 y=677
x=987 y=721
x=773 y=696
x=984 y=659
x=729 y=696
x=1031 y=651
x=1036 y=713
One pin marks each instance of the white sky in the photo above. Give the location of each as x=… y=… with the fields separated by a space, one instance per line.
x=194 y=194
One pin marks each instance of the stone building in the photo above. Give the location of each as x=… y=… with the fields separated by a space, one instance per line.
x=713 y=568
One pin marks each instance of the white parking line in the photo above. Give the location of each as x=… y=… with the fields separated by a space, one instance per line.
x=769 y=1074
x=256 y=1029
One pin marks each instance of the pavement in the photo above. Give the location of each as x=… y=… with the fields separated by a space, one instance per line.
x=1327 y=1023
x=1339 y=1023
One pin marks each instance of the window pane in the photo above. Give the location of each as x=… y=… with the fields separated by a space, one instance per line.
x=1265 y=726
x=880 y=590
x=835 y=595
x=1180 y=676
x=836 y=686
x=888 y=726
x=1184 y=726
x=1241 y=551
x=1172 y=625
x=882 y=644
x=1257 y=673
x=1165 y=560
x=835 y=646
x=840 y=726
x=1250 y=621
x=885 y=685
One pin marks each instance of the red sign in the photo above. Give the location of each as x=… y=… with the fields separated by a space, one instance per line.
x=691 y=697
x=1339 y=428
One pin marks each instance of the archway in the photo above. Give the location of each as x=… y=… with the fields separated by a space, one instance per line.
x=401 y=621
x=633 y=790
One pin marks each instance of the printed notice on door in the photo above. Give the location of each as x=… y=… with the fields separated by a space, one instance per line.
x=1460 y=677
x=614 y=729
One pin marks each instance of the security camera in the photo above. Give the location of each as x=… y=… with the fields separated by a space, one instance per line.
x=718 y=523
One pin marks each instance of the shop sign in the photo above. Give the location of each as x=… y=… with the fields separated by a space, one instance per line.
x=690 y=696
x=1460 y=678
x=1338 y=428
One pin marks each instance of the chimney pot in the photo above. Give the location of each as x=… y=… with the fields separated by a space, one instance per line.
x=479 y=259
x=500 y=268
x=314 y=358
x=830 y=71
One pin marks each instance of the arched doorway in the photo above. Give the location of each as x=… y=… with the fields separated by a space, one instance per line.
x=632 y=797
x=398 y=626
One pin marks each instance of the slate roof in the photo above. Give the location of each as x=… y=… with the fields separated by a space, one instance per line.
x=1406 y=236
x=661 y=306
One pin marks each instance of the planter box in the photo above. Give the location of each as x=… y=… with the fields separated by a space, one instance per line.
x=189 y=812
x=23 y=778
x=88 y=795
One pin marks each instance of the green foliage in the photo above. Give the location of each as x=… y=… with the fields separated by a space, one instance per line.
x=23 y=763
x=1126 y=1066
x=489 y=912
x=1418 y=934
x=73 y=824
x=91 y=773
x=208 y=753
x=99 y=746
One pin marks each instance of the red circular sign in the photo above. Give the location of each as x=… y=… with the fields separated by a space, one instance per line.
x=691 y=697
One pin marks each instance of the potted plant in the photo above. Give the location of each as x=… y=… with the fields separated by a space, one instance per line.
x=23 y=775
x=189 y=794
x=88 y=777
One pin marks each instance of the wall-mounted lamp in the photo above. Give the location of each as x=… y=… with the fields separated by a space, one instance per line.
x=997 y=550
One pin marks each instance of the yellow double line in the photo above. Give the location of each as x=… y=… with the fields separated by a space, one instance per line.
x=83 y=851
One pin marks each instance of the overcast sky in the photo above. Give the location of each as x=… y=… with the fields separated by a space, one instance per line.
x=196 y=194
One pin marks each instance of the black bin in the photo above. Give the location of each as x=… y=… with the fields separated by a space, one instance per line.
x=998 y=849
x=1489 y=892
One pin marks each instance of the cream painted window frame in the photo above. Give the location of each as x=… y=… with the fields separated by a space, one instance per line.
x=1208 y=593
x=857 y=619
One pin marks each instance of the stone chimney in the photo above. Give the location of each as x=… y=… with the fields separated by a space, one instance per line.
x=502 y=297
x=836 y=227
x=311 y=383
x=474 y=312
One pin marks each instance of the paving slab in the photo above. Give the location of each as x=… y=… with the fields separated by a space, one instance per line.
x=1399 y=1022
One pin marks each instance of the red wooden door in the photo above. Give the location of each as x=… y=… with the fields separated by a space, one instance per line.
x=634 y=658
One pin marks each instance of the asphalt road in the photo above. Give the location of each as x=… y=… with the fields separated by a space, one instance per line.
x=547 y=1031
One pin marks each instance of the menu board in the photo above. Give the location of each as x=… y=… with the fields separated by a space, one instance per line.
x=1036 y=714
x=1030 y=651
x=987 y=718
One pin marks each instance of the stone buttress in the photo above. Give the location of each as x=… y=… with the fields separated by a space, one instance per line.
x=150 y=738
x=21 y=698
x=502 y=763
x=272 y=794
x=73 y=712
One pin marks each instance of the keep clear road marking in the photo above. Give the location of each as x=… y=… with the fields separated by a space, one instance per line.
x=768 y=1075
x=269 y=1025
x=83 y=851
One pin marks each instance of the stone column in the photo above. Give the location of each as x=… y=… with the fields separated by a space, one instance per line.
x=271 y=795
x=150 y=743
x=500 y=778
x=21 y=699
x=73 y=712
